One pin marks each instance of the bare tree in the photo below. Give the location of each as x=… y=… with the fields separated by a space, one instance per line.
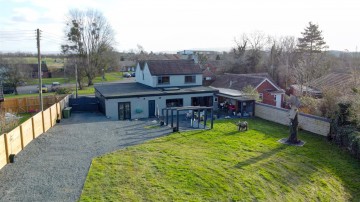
x=257 y=42
x=13 y=73
x=288 y=60
x=300 y=73
x=90 y=37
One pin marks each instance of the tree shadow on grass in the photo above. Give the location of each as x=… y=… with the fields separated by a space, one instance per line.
x=259 y=158
x=182 y=136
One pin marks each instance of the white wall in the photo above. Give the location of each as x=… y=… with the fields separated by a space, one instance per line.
x=314 y=124
x=179 y=80
x=175 y=80
x=142 y=103
x=148 y=78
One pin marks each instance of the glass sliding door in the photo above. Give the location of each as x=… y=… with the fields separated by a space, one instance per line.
x=124 y=110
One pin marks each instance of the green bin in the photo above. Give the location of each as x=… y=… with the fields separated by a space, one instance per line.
x=67 y=112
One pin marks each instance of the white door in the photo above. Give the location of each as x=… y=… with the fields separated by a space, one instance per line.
x=278 y=100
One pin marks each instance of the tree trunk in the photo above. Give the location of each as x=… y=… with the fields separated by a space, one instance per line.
x=90 y=81
x=294 y=130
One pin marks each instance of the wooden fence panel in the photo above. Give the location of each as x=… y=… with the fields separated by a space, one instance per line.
x=38 y=124
x=10 y=106
x=28 y=104
x=3 y=156
x=53 y=114
x=33 y=104
x=27 y=132
x=14 y=141
x=22 y=105
x=47 y=119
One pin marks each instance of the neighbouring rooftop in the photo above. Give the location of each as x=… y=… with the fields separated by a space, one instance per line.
x=124 y=90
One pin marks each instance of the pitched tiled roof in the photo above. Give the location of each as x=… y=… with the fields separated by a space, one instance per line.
x=239 y=81
x=236 y=81
x=173 y=67
x=333 y=80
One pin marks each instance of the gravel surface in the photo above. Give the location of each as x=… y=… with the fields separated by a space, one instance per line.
x=54 y=166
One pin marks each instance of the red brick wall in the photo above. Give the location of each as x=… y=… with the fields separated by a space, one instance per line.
x=268 y=98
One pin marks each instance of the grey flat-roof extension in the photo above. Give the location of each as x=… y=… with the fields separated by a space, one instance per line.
x=133 y=89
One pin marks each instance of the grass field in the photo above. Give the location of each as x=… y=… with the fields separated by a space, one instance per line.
x=51 y=62
x=225 y=165
x=27 y=95
x=109 y=77
x=86 y=91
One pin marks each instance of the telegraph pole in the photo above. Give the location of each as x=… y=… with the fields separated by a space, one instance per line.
x=76 y=80
x=39 y=69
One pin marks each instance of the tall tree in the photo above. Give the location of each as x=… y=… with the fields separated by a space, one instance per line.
x=312 y=40
x=89 y=37
x=312 y=47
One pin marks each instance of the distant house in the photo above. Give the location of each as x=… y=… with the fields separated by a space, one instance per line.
x=300 y=90
x=194 y=54
x=209 y=74
x=231 y=85
x=34 y=70
x=339 y=81
x=127 y=66
x=159 y=84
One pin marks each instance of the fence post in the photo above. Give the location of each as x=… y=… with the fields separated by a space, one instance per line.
x=51 y=120
x=33 y=127
x=6 y=148
x=21 y=137
x=57 y=110
x=43 y=123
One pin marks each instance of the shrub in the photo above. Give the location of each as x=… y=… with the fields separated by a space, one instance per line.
x=61 y=91
x=346 y=137
x=7 y=125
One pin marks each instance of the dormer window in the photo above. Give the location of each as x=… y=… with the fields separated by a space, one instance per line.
x=163 y=80
x=190 y=79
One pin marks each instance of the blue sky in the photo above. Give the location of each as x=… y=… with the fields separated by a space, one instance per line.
x=172 y=25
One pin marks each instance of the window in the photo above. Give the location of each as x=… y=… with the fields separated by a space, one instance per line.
x=261 y=96
x=190 y=79
x=202 y=101
x=174 y=102
x=163 y=79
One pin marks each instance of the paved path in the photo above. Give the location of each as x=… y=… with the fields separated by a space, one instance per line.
x=54 y=166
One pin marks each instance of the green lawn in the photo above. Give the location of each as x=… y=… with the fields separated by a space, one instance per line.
x=225 y=165
x=86 y=91
x=27 y=95
x=49 y=81
x=109 y=77
x=24 y=117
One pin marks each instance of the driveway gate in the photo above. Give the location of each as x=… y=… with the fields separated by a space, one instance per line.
x=84 y=104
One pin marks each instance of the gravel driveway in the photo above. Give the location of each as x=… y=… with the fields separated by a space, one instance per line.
x=54 y=166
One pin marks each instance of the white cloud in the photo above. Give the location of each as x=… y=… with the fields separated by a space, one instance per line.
x=161 y=25
x=25 y=15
